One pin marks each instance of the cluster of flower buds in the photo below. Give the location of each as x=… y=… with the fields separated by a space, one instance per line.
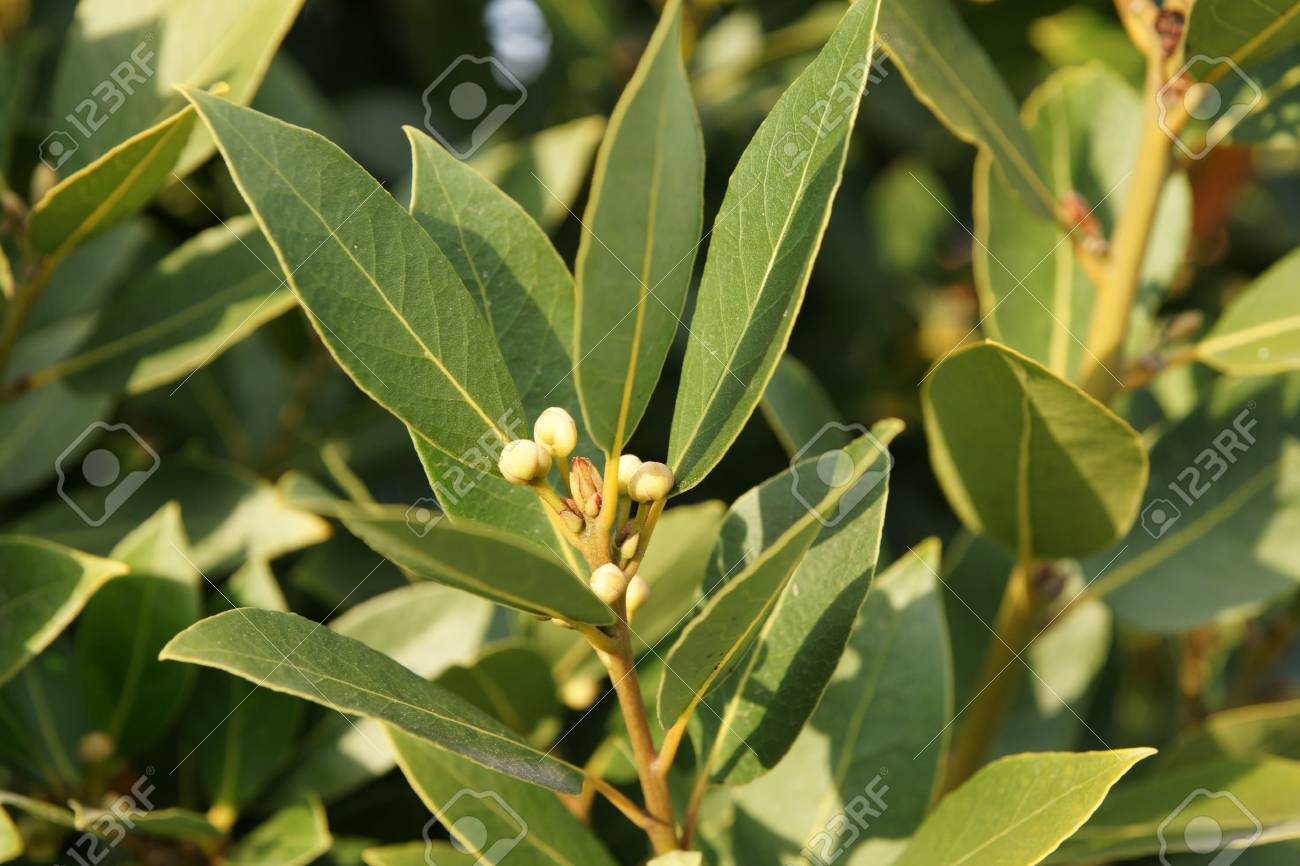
x=528 y=461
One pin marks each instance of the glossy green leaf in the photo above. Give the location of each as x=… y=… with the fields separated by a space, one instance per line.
x=384 y=299
x=42 y=720
x=111 y=188
x=1260 y=330
x=640 y=233
x=1027 y=458
x=169 y=823
x=528 y=824
x=952 y=75
x=544 y=173
x=878 y=736
x=346 y=675
x=487 y=562
x=1084 y=124
x=229 y=514
x=1245 y=32
x=1243 y=732
x=1224 y=498
x=1016 y=811
x=240 y=735
x=200 y=300
x=425 y=627
x=513 y=683
x=763 y=707
x=763 y=243
x=121 y=63
x=1212 y=806
x=763 y=541
x=799 y=410
x=130 y=695
x=43 y=586
x=294 y=836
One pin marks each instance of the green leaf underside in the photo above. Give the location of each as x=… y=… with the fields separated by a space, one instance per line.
x=130 y=695
x=952 y=74
x=873 y=732
x=1250 y=802
x=1260 y=331
x=294 y=836
x=799 y=410
x=763 y=243
x=1027 y=458
x=346 y=675
x=43 y=586
x=641 y=231
x=1016 y=811
x=1083 y=122
x=207 y=295
x=1224 y=498
x=487 y=562
x=540 y=830
x=111 y=46
x=383 y=298
x=771 y=529
x=109 y=190
x=763 y=707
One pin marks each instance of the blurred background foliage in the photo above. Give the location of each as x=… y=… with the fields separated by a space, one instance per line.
x=891 y=293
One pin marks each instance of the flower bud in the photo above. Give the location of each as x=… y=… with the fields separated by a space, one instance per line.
x=638 y=593
x=580 y=693
x=572 y=521
x=609 y=583
x=96 y=747
x=584 y=481
x=628 y=464
x=555 y=429
x=592 y=508
x=524 y=461
x=651 y=482
x=627 y=549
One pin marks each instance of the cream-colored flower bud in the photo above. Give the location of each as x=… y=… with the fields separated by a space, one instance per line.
x=638 y=593
x=627 y=549
x=524 y=461
x=609 y=583
x=580 y=693
x=651 y=482
x=556 y=430
x=628 y=464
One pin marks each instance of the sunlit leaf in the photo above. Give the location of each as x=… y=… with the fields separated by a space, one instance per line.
x=1260 y=330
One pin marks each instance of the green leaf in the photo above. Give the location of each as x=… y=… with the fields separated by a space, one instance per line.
x=952 y=75
x=1027 y=458
x=419 y=854
x=512 y=682
x=763 y=541
x=544 y=173
x=384 y=299
x=294 y=836
x=11 y=843
x=42 y=720
x=1084 y=124
x=878 y=734
x=121 y=62
x=487 y=562
x=1230 y=804
x=43 y=586
x=1244 y=32
x=1224 y=498
x=171 y=823
x=1016 y=811
x=239 y=735
x=763 y=707
x=200 y=300
x=48 y=813
x=425 y=627
x=1260 y=330
x=1243 y=732
x=346 y=675
x=799 y=410
x=529 y=825
x=130 y=695
x=753 y=283
x=640 y=234
x=512 y=271
x=110 y=189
